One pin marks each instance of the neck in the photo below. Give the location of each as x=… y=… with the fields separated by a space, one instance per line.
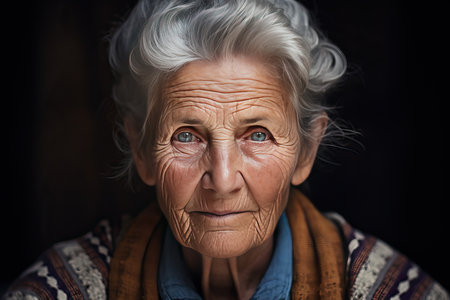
x=230 y=278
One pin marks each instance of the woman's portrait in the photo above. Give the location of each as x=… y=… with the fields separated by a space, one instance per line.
x=224 y=149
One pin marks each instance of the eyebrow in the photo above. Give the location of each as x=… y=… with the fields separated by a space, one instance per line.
x=253 y=120
x=191 y=121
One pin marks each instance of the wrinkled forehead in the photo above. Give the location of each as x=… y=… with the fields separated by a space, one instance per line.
x=237 y=82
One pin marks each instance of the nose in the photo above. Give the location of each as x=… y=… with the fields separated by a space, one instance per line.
x=223 y=173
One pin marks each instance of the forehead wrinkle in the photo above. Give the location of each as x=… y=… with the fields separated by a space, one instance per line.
x=258 y=114
x=225 y=114
x=194 y=92
x=175 y=114
x=224 y=90
x=191 y=102
x=233 y=85
x=220 y=101
x=267 y=106
x=226 y=98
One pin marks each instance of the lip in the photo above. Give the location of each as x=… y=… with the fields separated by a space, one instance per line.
x=219 y=214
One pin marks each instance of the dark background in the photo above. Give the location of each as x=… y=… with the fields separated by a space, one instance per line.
x=57 y=121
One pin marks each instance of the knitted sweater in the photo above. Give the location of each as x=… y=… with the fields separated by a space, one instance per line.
x=78 y=269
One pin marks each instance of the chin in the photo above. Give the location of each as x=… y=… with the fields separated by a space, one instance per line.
x=223 y=244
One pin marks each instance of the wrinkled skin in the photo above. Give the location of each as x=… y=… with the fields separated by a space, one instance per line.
x=226 y=154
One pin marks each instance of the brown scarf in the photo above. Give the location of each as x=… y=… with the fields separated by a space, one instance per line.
x=318 y=270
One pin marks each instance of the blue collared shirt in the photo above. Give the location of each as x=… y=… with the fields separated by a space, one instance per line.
x=175 y=280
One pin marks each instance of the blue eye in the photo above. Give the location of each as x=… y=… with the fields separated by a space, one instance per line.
x=185 y=137
x=258 y=136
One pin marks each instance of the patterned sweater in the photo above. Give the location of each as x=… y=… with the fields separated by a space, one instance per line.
x=78 y=269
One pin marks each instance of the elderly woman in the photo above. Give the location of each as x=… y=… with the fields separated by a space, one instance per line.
x=221 y=109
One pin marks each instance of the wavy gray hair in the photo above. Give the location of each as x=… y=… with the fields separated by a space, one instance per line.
x=160 y=36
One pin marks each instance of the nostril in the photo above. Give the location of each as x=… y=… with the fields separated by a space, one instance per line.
x=222 y=183
x=239 y=182
x=206 y=181
x=222 y=169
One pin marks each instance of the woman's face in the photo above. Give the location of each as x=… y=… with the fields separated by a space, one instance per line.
x=225 y=155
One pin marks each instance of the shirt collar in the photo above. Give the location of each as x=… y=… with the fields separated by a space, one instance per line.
x=175 y=280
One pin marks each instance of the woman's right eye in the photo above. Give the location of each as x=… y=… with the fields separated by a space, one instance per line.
x=185 y=137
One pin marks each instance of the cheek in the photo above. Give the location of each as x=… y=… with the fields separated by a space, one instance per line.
x=177 y=181
x=268 y=178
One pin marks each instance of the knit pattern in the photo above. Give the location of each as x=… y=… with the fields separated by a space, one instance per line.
x=74 y=269
x=78 y=269
x=377 y=271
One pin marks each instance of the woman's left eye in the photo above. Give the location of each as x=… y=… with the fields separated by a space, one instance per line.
x=258 y=136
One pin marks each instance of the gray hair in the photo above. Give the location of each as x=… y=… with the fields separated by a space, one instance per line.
x=160 y=36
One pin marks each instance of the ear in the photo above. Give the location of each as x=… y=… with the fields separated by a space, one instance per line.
x=306 y=159
x=144 y=165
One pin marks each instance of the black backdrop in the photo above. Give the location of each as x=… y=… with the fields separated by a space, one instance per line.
x=57 y=121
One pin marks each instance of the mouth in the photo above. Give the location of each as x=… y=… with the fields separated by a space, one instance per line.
x=219 y=214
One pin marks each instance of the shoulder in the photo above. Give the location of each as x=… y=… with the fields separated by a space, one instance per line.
x=377 y=271
x=74 y=269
